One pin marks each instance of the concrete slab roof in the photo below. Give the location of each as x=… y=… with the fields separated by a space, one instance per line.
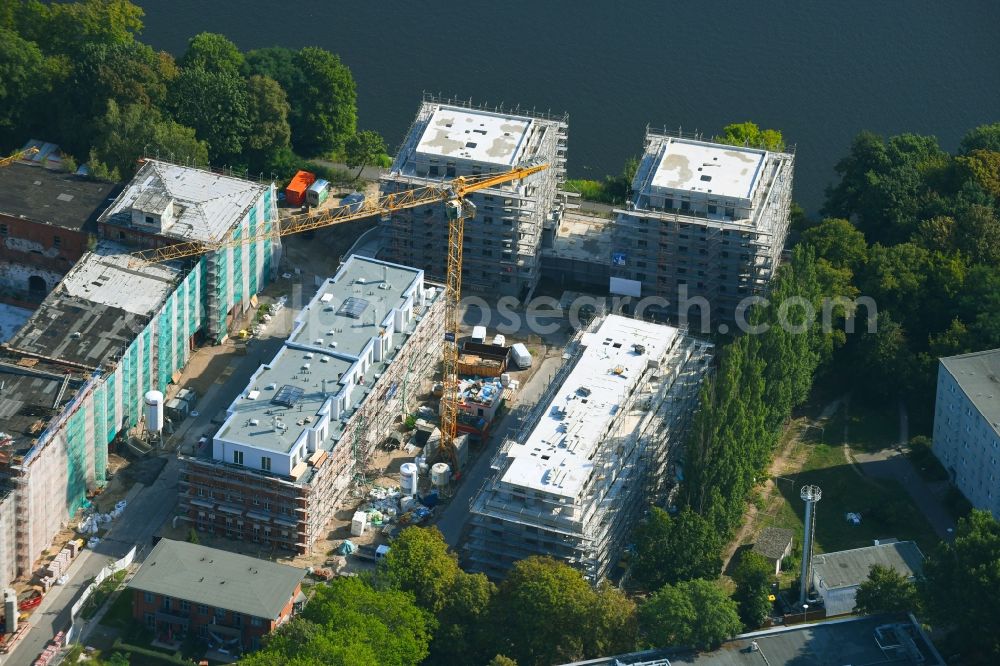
x=557 y=456
x=218 y=578
x=97 y=310
x=206 y=205
x=30 y=396
x=978 y=375
x=583 y=238
x=847 y=568
x=697 y=166
x=57 y=198
x=474 y=135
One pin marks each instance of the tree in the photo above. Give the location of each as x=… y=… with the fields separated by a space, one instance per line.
x=420 y=563
x=982 y=167
x=544 y=609
x=753 y=576
x=118 y=659
x=614 y=623
x=668 y=550
x=463 y=634
x=984 y=137
x=693 y=613
x=64 y=27
x=960 y=580
x=349 y=623
x=216 y=105
x=136 y=131
x=749 y=134
x=24 y=75
x=268 y=119
x=839 y=242
x=362 y=149
x=501 y=660
x=213 y=52
x=323 y=101
x=886 y=591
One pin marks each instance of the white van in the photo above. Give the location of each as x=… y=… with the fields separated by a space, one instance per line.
x=479 y=334
x=520 y=355
x=499 y=340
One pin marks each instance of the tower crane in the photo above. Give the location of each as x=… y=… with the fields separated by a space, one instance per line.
x=453 y=194
x=19 y=155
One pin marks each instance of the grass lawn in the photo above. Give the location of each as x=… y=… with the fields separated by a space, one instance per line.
x=119 y=616
x=101 y=594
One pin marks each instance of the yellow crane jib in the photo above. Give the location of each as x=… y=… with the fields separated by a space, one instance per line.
x=19 y=155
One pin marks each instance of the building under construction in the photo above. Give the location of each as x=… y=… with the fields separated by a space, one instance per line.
x=300 y=435
x=74 y=376
x=706 y=220
x=502 y=243
x=600 y=442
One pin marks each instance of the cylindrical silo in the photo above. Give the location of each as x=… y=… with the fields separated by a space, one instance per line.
x=440 y=474
x=408 y=478
x=154 y=411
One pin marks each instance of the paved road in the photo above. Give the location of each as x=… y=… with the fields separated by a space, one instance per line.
x=453 y=517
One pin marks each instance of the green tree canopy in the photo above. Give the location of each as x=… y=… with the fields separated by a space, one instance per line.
x=550 y=614
x=668 y=550
x=24 y=75
x=886 y=591
x=749 y=134
x=64 y=27
x=753 y=576
x=213 y=52
x=464 y=633
x=420 y=563
x=984 y=137
x=349 y=623
x=692 y=613
x=839 y=242
x=270 y=133
x=216 y=105
x=136 y=131
x=363 y=148
x=324 y=103
x=960 y=580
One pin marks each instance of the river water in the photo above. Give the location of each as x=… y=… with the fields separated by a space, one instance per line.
x=819 y=71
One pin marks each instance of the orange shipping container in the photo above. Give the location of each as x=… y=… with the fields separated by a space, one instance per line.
x=295 y=193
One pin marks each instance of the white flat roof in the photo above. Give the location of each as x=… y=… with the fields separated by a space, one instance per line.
x=556 y=457
x=206 y=205
x=696 y=166
x=470 y=134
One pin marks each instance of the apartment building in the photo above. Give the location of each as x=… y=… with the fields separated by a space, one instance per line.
x=706 y=220
x=603 y=439
x=304 y=428
x=967 y=425
x=502 y=242
x=227 y=600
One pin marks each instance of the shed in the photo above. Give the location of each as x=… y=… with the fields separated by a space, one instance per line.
x=295 y=193
x=774 y=544
x=837 y=576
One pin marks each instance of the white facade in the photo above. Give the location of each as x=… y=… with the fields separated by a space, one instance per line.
x=967 y=425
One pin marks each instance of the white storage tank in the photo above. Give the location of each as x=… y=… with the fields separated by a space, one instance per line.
x=359 y=523
x=440 y=474
x=408 y=478
x=154 y=411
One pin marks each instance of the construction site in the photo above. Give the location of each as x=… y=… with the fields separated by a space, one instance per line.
x=503 y=238
x=602 y=440
x=705 y=220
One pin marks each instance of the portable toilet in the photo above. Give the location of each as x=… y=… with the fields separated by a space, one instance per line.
x=318 y=192
x=295 y=193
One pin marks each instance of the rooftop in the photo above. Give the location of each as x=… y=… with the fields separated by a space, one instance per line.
x=52 y=197
x=978 y=374
x=582 y=237
x=475 y=135
x=847 y=568
x=557 y=456
x=878 y=639
x=217 y=578
x=30 y=395
x=319 y=359
x=687 y=165
x=773 y=541
x=205 y=205
x=97 y=310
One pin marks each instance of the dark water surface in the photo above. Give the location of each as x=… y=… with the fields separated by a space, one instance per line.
x=820 y=72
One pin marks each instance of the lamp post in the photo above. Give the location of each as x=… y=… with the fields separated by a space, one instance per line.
x=805 y=610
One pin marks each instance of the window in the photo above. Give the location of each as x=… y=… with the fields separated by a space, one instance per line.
x=237 y=619
x=56 y=241
x=121 y=235
x=433 y=170
x=685 y=205
x=712 y=209
x=220 y=613
x=185 y=605
x=150 y=220
x=203 y=609
x=238 y=457
x=166 y=603
x=730 y=213
x=147 y=597
x=256 y=622
x=265 y=463
x=150 y=620
x=4 y=231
